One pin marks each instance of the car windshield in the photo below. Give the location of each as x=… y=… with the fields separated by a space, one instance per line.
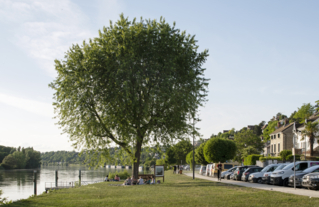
x=289 y=166
x=266 y=168
x=310 y=169
x=280 y=167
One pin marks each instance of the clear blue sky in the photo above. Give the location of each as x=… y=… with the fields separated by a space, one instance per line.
x=263 y=58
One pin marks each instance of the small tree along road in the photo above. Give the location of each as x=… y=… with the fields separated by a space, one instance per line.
x=136 y=83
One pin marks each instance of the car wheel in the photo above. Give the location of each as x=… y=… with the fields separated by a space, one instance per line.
x=285 y=182
x=259 y=181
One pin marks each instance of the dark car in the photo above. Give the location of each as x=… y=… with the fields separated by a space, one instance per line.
x=299 y=176
x=228 y=172
x=239 y=171
x=311 y=181
x=250 y=170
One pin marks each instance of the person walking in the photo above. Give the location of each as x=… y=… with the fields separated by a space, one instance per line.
x=219 y=170
x=174 y=171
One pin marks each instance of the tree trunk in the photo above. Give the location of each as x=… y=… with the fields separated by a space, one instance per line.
x=311 y=139
x=137 y=159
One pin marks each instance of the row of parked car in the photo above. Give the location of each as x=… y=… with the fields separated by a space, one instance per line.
x=307 y=174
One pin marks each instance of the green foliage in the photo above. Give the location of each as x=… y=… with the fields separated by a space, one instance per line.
x=284 y=153
x=270 y=129
x=269 y=158
x=9 y=162
x=317 y=105
x=199 y=155
x=136 y=82
x=225 y=135
x=247 y=143
x=291 y=157
x=182 y=148
x=251 y=159
x=25 y=158
x=189 y=159
x=170 y=156
x=162 y=162
x=219 y=150
x=123 y=175
x=312 y=132
x=304 y=112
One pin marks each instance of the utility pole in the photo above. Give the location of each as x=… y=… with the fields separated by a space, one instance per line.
x=194 y=146
x=294 y=153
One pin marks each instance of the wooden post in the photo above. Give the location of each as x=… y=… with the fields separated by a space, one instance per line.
x=35 y=182
x=79 y=177
x=56 y=178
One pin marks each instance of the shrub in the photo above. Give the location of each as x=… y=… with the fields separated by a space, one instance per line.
x=219 y=150
x=122 y=175
x=291 y=157
x=284 y=154
x=251 y=159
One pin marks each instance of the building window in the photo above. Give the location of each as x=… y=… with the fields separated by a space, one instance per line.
x=274 y=147
x=278 y=147
x=274 y=136
x=278 y=135
x=271 y=137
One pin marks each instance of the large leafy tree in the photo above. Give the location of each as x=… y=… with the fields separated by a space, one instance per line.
x=137 y=82
x=199 y=155
x=219 y=150
x=181 y=149
x=269 y=129
x=311 y=131
x=247 y=143
x=304 y=112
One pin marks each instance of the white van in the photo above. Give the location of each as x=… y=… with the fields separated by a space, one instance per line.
x=281 y=177
x=202 y=170
x=209 y=170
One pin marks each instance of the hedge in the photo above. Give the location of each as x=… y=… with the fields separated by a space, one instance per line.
x=251 y=159
x=291 y=157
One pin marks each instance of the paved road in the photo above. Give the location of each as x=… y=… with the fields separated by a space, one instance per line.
x=298 y=191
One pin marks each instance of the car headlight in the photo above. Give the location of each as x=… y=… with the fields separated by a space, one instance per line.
x=280 y=172
x=252 y=176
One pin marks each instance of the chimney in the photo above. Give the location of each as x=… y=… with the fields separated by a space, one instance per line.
x=278 y=125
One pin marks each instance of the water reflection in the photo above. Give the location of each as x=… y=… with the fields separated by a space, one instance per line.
x=18 y=184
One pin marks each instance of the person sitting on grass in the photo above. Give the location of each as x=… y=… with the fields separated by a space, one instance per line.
x=107 y=178
x=134 y=181
x=141 y=181
x=128 y=181
x=117 y=178
x=148 y=181
x=152 y=180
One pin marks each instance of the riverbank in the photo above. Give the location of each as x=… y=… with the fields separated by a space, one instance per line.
x=178 y=190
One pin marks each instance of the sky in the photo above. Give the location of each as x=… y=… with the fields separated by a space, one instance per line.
x=263 y=58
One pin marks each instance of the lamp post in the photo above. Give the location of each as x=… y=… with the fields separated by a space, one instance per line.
x=194 y=146
x=294 y=153
x=305 y=141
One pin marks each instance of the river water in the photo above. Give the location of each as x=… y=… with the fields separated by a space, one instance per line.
x=18 y=184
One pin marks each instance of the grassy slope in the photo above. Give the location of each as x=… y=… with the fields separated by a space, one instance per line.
x=178 y=190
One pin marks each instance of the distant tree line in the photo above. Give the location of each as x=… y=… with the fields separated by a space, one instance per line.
x=19 y=158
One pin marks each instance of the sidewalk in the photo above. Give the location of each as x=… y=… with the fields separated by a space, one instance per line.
x=298 y=191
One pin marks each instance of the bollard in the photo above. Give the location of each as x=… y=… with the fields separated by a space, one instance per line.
x=35 y=182
x=79 y=177
x=56 y=178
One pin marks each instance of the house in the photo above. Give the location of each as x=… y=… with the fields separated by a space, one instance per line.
x=303 y=144
x=281 y=138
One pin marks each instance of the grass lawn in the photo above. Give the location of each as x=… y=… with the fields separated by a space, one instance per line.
x=178 y=190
